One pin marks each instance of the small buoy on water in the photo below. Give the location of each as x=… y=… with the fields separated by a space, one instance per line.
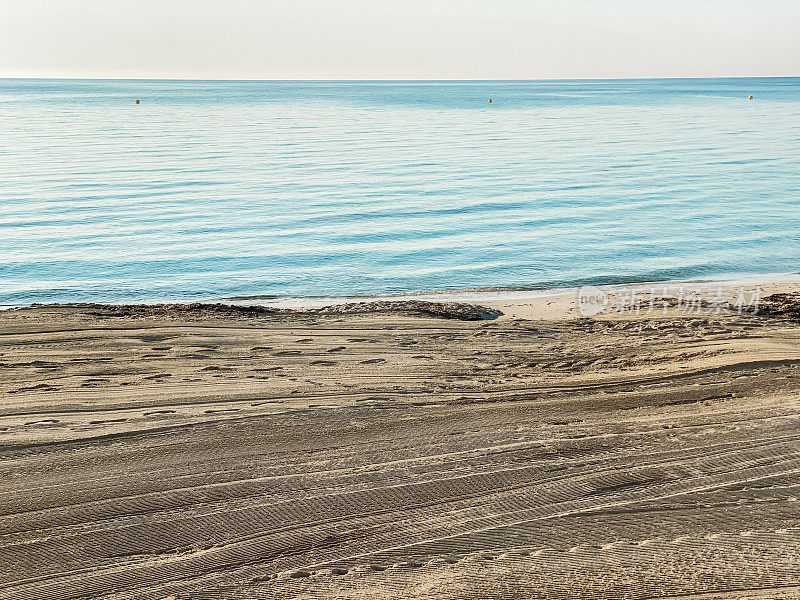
x=490 y=100
x=137 y=101
x=750 y=97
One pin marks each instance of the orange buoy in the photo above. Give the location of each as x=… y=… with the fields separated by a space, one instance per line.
x=137 y=101
x=490 y=100
x=750 y=97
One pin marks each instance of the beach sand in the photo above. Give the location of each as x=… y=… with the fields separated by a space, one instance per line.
x=400 y=451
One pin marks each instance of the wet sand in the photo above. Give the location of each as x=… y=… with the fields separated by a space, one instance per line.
x=399 y=452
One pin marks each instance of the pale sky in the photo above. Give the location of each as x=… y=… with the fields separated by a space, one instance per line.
x=399 y=39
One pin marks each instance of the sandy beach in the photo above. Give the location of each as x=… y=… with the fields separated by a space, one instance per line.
x=403 y=450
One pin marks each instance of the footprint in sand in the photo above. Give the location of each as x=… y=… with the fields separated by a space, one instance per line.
x=150 y=339
x=42 y=387
x=374 y=399
x=373 y=361
x=159 y=412
x=43 y=365
x=336 y=349
x=299 y=574
x=107 y=421
x=158 y=376
x=324 y=363
x=215 y=411
x=43 y=422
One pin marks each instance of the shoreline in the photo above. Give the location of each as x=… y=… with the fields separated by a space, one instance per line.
x=491 y=295
x=545 y=304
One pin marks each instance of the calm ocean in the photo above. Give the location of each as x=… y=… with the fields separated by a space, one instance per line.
x=210 y=190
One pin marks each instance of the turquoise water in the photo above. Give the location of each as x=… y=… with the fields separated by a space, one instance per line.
x=211 y=190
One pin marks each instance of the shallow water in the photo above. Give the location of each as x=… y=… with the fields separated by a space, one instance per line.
x=212 y=190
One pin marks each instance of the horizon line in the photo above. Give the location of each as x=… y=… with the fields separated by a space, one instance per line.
x=394 y=80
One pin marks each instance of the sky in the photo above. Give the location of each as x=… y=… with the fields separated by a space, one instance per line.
x=399 y=39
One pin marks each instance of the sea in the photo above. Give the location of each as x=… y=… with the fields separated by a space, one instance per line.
x=286 y=192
